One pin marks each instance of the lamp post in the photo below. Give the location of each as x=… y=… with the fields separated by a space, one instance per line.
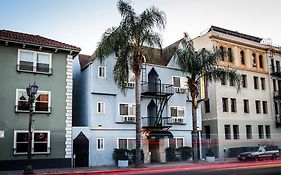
x=31 y=91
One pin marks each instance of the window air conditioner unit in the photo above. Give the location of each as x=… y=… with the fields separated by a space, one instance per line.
x=177 y=120
x=180 y=90
x=128 y=119
x=129 y=85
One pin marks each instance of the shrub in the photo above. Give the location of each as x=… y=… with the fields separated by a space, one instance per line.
x=120 y=154
x=210 y=153
x=186 y=152
x=170 y=154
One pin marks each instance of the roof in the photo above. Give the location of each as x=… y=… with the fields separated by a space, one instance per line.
x=234 y=33
x=17 y=37
x=84 y=60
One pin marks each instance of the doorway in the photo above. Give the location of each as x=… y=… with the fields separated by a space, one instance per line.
x=154 y=150
x=81 y=150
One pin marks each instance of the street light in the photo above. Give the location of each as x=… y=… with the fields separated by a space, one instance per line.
x=31 y=91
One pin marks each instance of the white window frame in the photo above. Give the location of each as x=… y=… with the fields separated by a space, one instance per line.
x=99 y=71
x=19 y=92
x=100 y=144
x=32 y=142
x=35 y=54
x=127 y=139
x=102 y=107
x=176 y=141
x=130 y=106
x=175 y=118
x=183 y=81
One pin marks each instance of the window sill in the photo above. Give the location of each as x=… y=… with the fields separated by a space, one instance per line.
x=34 y=112
x=24 y=154
x=122 y=122
x=35 y=72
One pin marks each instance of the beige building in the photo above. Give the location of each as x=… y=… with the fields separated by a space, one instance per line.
x=249 y=116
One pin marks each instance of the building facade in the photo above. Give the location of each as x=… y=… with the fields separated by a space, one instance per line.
x=27 y=59
x=104 y=117
x=240 y=117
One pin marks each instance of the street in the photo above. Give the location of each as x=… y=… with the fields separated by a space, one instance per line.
x=239 y=168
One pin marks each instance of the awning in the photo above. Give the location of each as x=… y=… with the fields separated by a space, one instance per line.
x=159 y=134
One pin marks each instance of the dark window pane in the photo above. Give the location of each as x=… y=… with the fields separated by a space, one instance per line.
x=123 y=109
x=21 y=147
x=41 y=67
x=41 y=106
x=23 y=105
x=22 y=137
x=25 y=65
x=40 y=147
x=40 y=137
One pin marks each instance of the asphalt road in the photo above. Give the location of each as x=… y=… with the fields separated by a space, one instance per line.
x=241 y=168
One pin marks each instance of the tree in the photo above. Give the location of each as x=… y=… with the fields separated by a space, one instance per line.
x=127 y=40
x=198 y=64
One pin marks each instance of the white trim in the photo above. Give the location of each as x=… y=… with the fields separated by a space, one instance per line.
x=127 y=139
x=102 y=107
x=18 y=91
x=32 y=142
x=35 y=54
x=104 y=71
x=176 y=141
x=97 y=144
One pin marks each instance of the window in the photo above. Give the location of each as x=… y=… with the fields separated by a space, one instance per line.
x=224 y=104
x=100 y=144
x=242 y=57
x=267 y=131
x=236 y=131
x=207 y=130
x=264 y=107
x=231 y=82
x=274 y=84
x=244 y=81
x=207 y=106
x=223 y=80
x=262 y=83
x=229 y=55
x=227 y=132
x=233 y=105
x=256 y=83
x=177 y=114
x=261 y=61
x=100 y=107
x=249 y=131
x=31 y=61
x=222 y=53
x=258 y=106
x=101 y=72
x=180 y=82
x=176 y=142
x=127 y=144
x=42 y=102
x=128 y=112
x=40 y=142
x=261 y=133
x=254 y=60
x=246 y=105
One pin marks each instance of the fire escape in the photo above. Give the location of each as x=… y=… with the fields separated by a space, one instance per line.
x=158 y=95
x=275 y=72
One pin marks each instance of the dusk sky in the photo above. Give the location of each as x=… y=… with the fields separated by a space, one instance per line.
x=82 y=22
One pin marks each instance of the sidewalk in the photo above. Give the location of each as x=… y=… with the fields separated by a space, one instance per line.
x=115 y=169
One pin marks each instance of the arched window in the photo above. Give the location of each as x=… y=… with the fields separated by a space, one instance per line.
x=229 y=54
x=242 y=57
x=254 y=60
x=261 y=61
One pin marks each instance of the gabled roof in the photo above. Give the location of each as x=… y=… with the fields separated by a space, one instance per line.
x=17 y=37
x=84 y=60
x=236 y=34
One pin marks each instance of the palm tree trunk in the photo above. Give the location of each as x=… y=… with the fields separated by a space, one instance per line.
x=138 y=119
x=194 y=130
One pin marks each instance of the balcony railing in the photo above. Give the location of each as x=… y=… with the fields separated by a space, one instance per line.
x=275 y=70
x=157 y=89
x=156 y=122
x=277 y=94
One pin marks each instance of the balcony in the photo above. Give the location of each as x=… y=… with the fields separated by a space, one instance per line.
x=152 y=123
x=157 y=89
x=277 y=95
x=275 y=71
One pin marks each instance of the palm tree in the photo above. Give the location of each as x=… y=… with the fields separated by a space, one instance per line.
x=198 y=64
x=127 y=40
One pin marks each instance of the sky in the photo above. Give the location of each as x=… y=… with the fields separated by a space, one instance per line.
x=82 y=22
